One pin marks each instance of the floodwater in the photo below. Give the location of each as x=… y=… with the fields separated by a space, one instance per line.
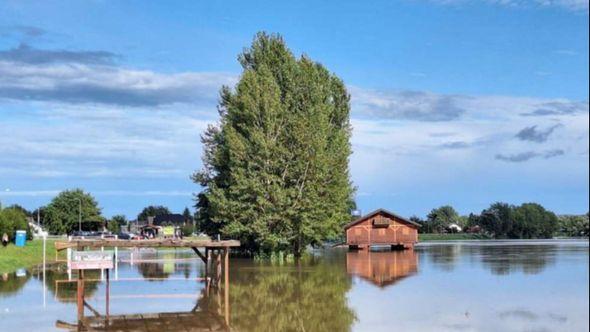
x=458 y=286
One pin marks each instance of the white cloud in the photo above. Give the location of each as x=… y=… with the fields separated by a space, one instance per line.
x=433 y=107
x=102 y=141
x=92 y=78
x=396 y=141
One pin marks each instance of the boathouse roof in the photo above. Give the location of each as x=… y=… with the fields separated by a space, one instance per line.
x=378 y=211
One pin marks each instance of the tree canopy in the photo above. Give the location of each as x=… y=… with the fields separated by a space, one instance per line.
x=275 y=171
x=574 y=225
x=13 y=219
x=527 y=221
x=152 y=211
x=61 y=215
x=187 y=215
x=117 y=221
x=440 y=218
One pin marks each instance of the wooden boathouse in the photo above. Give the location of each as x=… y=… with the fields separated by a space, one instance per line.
x=381 y=228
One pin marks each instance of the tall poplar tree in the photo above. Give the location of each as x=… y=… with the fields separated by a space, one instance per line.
x=275 y=172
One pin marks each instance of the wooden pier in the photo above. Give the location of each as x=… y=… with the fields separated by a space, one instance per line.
x=214 y=253
x=213 y=249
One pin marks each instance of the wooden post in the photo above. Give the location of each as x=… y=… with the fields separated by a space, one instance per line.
x=80 y=295
x=226 y=284
x=218 y=268
x=108 y=292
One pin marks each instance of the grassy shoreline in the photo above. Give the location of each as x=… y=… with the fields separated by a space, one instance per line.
x=13 y=258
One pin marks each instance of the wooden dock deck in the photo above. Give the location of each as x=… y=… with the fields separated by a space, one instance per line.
x=156 y=243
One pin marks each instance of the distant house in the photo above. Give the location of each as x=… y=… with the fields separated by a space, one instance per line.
x=381 y=228
x=162 y=225
x=454 y=228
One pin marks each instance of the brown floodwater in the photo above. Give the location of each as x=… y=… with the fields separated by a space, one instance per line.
x=458 y=286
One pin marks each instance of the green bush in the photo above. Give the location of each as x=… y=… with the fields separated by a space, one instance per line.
x=187 y=230
x=12 y=220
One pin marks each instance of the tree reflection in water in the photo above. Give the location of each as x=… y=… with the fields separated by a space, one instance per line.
x=10 y=283
x=63 y=291
x=499 y=258
x=305 y=296
x=443 y=257
x=152 y=270
x=502 y=260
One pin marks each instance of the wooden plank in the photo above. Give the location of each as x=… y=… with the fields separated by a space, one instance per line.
x=157 y=243
x=196 y=250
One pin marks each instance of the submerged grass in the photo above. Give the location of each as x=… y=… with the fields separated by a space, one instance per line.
x=13 y=258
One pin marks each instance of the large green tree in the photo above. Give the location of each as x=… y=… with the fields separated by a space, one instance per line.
x=61 y=215
x=275 y=169
x=533 y=221
x=498 y=220
x=527 y=221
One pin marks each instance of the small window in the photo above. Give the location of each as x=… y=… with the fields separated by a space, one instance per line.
x=380 y=222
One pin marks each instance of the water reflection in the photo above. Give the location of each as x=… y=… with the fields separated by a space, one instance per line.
x=206 y=315
x=483 y=286
x=382 y=268
x=210 y=312
x=503 y=261
x=305 y=296
x=498 y=257
x=10 y=283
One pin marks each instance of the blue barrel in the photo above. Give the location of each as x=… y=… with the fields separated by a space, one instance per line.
x=20 y=239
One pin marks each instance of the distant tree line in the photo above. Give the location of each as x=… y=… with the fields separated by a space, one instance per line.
x=73 y=210
x=506 y=221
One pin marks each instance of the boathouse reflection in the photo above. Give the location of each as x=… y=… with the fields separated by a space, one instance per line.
x=382 y=268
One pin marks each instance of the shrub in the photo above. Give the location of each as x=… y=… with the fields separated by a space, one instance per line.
x=12 y=220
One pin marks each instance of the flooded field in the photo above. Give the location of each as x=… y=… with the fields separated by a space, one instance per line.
x=459 y=286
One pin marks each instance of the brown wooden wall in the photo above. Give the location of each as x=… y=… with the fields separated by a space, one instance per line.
x=366 y=233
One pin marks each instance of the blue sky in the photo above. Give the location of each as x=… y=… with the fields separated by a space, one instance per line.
x=453 y=101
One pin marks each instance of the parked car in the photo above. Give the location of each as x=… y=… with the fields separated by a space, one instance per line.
x=129 y=236
x=125 y=236
x=82 y=234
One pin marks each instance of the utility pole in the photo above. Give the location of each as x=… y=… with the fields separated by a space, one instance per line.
x=79 y=214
